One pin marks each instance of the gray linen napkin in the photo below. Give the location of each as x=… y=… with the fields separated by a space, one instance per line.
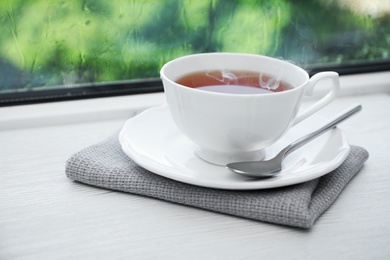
x=105 y=165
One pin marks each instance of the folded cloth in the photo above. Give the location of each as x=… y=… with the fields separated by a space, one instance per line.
x=105 y=165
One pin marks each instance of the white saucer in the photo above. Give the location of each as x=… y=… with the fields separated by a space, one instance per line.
x=153 y=141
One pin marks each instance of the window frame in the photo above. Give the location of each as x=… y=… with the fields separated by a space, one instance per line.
x=142 y=86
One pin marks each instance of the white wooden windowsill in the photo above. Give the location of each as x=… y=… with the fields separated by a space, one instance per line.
x=43 y=215
x=101 y=109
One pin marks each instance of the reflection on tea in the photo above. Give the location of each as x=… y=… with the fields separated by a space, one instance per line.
x=234 y=82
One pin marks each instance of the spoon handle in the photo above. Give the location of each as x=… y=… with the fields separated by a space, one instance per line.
x=342 y=116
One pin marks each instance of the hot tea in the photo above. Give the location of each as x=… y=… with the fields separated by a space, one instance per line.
x=234 y=82
x=228 y=127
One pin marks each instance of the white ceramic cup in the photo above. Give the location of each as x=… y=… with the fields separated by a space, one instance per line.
x=237 y=127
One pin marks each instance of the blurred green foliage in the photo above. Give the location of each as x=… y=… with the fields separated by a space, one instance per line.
x=66 y=42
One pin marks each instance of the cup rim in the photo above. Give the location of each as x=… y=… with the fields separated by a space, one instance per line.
x=163 y=69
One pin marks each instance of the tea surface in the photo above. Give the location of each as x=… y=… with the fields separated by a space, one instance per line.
x=234 y=82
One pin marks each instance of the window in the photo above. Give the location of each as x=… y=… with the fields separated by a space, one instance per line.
x=58 y=50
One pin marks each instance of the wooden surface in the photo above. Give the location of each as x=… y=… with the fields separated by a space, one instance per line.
x=44 y=215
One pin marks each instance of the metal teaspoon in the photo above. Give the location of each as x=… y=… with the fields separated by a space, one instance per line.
x=272 y=167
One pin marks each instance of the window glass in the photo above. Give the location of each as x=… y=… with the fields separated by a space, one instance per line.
x=53 y=45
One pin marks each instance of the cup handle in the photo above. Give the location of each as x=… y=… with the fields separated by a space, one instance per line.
x=335 y=88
